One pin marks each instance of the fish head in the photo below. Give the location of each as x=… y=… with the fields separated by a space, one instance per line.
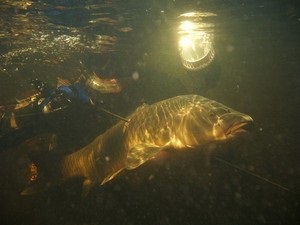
x=230 y=124
x=226 y=122
x=208 y=120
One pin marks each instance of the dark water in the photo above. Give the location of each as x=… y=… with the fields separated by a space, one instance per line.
x=256 y=71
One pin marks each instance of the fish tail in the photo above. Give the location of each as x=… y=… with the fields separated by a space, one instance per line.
x=44 y=170
x=47 y=162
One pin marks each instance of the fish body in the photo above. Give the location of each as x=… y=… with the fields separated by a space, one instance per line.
x=182 y=122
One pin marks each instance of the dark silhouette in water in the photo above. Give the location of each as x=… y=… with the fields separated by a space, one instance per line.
x=48 y=111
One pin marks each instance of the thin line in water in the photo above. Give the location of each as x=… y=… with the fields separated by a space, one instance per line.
x=255 y=175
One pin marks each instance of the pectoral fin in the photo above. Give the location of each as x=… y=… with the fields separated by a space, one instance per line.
x=108 y=178
x=140 y=154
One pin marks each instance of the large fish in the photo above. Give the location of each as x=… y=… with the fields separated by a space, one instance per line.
x=182 y=122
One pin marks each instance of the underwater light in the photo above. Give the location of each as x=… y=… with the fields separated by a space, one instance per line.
x=195 y=41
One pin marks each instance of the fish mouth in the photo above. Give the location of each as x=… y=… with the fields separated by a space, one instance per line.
x=239 y=128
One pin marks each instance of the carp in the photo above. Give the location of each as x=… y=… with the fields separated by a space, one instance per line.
x=182 y=122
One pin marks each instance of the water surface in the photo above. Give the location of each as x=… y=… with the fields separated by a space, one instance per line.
x=256 y=71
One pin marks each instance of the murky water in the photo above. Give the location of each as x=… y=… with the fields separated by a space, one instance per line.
x=255 y=70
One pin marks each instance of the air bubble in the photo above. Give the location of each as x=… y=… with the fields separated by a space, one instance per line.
x=135 y=75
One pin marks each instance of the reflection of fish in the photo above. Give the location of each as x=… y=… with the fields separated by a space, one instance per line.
x=182 y=122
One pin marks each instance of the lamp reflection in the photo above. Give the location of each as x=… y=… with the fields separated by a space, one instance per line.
x=195 y=41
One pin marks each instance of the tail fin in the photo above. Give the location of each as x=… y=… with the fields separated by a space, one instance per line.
x=44 y=172
x=47 y=162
